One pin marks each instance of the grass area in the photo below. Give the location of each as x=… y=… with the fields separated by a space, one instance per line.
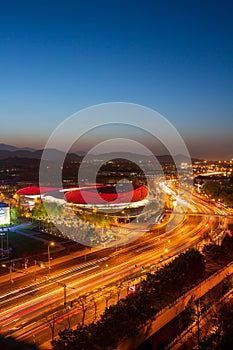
x=27 y=229
x=33 y=230
x=23 y=246
x=49 y=237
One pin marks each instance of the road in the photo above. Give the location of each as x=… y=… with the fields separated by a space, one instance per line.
x=25 y=311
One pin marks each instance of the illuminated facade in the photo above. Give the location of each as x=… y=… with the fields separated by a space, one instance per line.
x=90 y=196
x=4 y=214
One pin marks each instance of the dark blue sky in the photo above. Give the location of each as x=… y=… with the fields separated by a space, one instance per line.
x=57 y=57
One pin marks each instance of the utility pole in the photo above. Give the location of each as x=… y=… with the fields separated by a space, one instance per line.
x=26 y=263
x=11 y=280
x=49 y=264
x=64 y=288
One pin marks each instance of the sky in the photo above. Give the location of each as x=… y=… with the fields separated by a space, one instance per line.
x=176 y=57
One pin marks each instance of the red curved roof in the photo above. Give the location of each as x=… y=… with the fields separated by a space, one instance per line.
x=86 y=196
x=35 y=190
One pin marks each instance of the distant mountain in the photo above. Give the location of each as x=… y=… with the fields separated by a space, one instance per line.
x=10 y=148
x=138 y=157
x=80 y=153
x=8 y=151
x=18 y=154
x=55 y=155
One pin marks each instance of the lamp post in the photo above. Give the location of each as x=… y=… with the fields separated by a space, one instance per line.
x=10 y=272
x=102 y=269
x=35 y=270
x=50 y=244
x=11 y=280
x=64 y=289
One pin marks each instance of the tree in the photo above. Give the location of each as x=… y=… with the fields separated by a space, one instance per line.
x=118 y=290
x=94 y=300
x=82 y=338
x=137 y=310
x=50 y=319
x=39 y=212
x=212 y=188
x=226 y=324
x=82 y=301
x=227 y=246
x=14 y=214
x=108 y=296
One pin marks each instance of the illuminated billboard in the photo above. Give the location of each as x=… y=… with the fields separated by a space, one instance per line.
x=4 y=214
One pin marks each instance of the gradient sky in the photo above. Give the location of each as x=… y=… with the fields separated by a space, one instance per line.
x=59 y=56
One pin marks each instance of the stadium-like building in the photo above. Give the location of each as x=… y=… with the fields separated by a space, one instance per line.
x=97 y=195
x=92 y=214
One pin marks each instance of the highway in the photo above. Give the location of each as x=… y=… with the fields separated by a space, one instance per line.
x=25 y=311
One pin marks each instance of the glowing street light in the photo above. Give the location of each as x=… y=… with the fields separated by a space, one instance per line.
x=51 y=244
x=102 y=269
x=10 y=273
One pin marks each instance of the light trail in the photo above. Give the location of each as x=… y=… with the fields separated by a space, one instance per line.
x=149 y=252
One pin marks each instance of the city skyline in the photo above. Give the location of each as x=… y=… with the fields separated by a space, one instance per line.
x=175 y=58
x=116 y=176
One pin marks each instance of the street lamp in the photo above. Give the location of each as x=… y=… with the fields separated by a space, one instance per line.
x=50 y=244
x=10 y=272
x=102 y=269
x=64 y=286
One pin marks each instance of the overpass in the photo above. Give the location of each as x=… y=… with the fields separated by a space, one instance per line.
x=212 y=173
